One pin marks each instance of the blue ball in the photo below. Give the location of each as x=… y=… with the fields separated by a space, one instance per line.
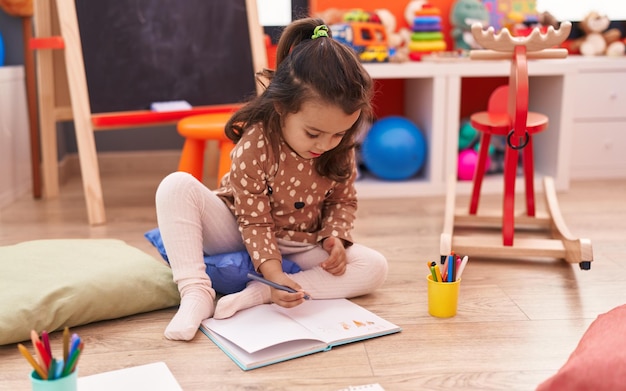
x=394 y=148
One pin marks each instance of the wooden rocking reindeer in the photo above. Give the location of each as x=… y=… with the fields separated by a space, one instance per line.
x=508 y=116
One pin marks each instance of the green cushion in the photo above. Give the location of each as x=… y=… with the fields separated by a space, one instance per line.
x=50 y=284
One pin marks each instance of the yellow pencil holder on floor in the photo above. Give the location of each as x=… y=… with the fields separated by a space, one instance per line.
x=443 y=297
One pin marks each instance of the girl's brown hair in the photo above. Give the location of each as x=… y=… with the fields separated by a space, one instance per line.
x=321 y=69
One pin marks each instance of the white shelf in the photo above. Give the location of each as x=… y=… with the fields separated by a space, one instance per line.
x=370 y=187
x=599 y=120
x=432 y=100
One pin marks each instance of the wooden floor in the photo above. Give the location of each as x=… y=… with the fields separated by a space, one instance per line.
x=517 y=322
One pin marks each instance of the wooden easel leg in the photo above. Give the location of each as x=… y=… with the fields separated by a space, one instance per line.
x=31 y=92
x=81 y=112
x=45 y=99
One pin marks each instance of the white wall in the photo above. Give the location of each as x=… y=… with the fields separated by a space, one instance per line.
x=575 y=10
x=15 y=165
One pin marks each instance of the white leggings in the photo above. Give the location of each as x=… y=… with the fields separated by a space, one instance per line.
x=193 y=221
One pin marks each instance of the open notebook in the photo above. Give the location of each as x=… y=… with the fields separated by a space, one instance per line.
x=268 y=334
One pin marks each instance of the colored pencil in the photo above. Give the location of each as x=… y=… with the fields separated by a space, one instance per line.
x=40 y=371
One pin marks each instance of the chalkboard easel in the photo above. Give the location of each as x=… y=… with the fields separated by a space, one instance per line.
x=121 y=55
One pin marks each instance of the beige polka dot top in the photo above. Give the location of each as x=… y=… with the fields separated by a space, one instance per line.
x=283 y=197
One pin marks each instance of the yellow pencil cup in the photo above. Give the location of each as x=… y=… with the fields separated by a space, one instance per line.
x=443 y=297
x=65 y=383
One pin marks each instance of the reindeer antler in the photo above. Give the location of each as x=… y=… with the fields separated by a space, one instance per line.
x=536 y=41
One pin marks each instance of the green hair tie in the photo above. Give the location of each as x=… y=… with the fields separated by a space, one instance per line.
x=320 y=31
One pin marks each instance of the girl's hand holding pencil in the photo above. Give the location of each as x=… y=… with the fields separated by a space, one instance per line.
x=46 y=365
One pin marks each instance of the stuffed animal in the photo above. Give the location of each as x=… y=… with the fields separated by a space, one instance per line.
x=463 y=14
x=397 y=39
x=599 y=39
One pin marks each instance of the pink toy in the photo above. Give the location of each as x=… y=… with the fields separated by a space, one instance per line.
x=467 y=164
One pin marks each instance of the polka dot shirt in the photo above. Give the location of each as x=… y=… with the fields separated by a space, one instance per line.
x=283 y=197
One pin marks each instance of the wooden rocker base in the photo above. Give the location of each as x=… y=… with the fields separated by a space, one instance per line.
x=544 y=235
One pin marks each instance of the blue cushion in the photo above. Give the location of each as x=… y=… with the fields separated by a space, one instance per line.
x=228 y=272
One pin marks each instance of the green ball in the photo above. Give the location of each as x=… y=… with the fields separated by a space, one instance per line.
x=467 y=135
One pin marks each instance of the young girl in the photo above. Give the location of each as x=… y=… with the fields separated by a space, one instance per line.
x=290 y=190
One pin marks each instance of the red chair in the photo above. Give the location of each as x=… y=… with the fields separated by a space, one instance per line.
x=197 y=130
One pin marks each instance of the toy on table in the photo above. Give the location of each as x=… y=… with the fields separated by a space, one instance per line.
x=359 y=15
x=463 y=14
x=546 y=19
x=397 y=39
x=426 y=36
x=514 y=21
x=363 y=32
x=599 y=39
x=369 y=40
x=526 y=26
